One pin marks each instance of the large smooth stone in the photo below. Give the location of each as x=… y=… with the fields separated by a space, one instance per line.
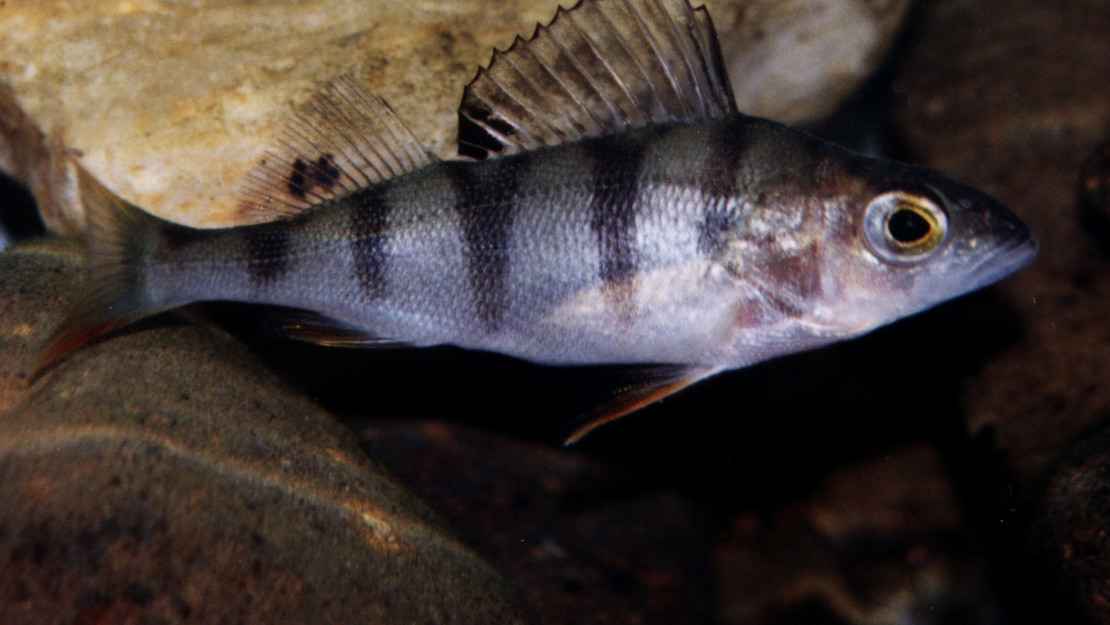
x=170 y=102
x=161 y=475
x=797 y=60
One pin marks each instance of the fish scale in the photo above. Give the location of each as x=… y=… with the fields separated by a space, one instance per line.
x=654 y=227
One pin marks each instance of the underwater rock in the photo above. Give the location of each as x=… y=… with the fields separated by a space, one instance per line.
x=1011 y=97
x=1071 y=526
x=797 y=60
x=40 y=163
x=162 y=476
x=991 y=78
x=170 y=103
x=880 y=541
x=587 y=543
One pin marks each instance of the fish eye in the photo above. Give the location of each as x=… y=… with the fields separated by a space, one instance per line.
x=903 y=227
x=907 y=226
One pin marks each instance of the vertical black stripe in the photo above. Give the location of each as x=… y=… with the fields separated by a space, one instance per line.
x=617 y=164
x=717 y=180
x=485 y=199
x=176 y=238
x=267 y=251
x=369 y=222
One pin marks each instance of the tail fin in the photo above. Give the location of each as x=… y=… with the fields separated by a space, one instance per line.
x=119 y=238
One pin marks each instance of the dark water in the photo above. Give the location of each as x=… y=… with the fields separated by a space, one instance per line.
x=18 y=218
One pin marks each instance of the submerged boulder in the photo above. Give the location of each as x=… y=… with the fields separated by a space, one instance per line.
x=162 y=475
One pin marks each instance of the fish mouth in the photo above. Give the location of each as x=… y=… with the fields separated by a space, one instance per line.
x=1015 y=252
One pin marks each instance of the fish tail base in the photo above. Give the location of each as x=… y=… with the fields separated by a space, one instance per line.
x=120 y=237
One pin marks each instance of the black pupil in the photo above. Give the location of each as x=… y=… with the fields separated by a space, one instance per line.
x=906 y=226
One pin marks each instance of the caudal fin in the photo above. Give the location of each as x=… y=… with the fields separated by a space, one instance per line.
x=119 y=238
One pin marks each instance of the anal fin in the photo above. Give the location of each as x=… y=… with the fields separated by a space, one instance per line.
x=645 y=387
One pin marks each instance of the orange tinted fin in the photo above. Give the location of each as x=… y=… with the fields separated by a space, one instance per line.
x=647 y=388
x=311 y=327
x=118 y=236
x=71 y=335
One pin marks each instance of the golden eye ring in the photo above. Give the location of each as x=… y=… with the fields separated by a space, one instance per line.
x=904 y=228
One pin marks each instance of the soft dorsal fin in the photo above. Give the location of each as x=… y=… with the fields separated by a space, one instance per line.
x=598 y=68
x=342 y=139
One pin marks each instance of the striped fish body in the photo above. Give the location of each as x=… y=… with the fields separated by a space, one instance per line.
x=621 y=249
x=619 y=210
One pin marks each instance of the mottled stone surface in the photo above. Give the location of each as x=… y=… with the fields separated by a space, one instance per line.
x=162 y=476
x=170 y=102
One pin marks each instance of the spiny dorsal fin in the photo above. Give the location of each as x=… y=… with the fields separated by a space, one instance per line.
x=341 y=140
x=598 y=68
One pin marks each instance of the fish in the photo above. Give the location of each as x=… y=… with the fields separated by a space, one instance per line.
x=609 y=205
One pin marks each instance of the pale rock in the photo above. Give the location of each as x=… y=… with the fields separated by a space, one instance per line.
x=169 y=102
x=797 y=60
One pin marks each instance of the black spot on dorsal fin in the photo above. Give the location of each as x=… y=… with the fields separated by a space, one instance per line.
x=341 y=140
x=601 y=67
x=298 y=178
x=321 y=175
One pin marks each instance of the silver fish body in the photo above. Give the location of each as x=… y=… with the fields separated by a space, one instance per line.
x=716 y=244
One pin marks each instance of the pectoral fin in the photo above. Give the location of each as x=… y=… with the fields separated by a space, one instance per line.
x=646 y=387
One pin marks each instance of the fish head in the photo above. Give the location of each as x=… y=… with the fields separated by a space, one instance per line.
x=905 y=239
